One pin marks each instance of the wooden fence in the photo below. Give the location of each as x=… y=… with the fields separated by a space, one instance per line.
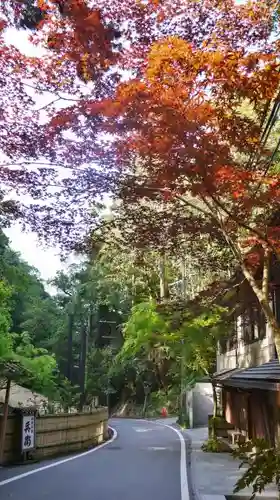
x=58 y=434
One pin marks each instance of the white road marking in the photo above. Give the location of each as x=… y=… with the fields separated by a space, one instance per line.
x=137 y=429
x=60 y=462
x=183 y=464
x=157 y=448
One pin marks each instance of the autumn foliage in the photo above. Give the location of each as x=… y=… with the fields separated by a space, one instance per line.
x=165 y=105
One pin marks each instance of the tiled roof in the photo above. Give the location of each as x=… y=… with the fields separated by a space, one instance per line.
x=264 y=376
x=267 y=371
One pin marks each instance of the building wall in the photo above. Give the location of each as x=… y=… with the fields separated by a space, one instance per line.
x=244 y=356
x=236 y=408
x=253 y=412
x=200 y=404
x=59 y=434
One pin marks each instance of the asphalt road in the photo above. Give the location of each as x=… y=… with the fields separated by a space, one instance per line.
x=145 y=461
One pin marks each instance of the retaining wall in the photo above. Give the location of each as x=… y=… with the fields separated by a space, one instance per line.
x=58 y=434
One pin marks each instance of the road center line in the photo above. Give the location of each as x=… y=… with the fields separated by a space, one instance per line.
x=60 y=462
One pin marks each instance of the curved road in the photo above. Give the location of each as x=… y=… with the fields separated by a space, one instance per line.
x=144 y=461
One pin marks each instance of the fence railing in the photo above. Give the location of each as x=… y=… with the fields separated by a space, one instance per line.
x=58 y=433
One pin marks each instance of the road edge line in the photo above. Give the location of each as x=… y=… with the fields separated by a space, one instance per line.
x=60 y=462
x=183 y=459
x=183 y=464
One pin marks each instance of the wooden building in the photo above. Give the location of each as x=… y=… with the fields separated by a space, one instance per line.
x=248 y=370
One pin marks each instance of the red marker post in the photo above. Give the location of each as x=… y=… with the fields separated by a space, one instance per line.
x=164 y=412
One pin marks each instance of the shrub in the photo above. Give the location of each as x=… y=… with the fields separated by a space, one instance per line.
x=211 y=445
x=263 y=464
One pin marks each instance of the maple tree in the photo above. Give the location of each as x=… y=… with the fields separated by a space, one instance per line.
x=167 y=135
x=183 y=120
x=101 y=43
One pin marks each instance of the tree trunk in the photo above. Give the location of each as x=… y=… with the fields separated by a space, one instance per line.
x=183 y=274
x=133 y=294
x=271 y=319
x=215 y=400
x=263 y=299
x=91 y=337
x=183 y=408
x=265 y=279
x=215 y=411
x=164 y=291
x=69 y=373
x=260 y=292
x=145 y=405
x=83 y=356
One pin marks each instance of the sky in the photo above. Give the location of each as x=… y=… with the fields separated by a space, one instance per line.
x=45 y=259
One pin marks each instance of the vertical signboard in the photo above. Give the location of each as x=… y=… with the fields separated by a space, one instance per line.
x=28 y=433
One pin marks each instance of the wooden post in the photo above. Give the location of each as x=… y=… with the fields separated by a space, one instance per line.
x=4 y=420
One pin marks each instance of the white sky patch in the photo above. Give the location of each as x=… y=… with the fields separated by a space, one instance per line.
x=19 y=38
x=44 y=258
x=33 y=252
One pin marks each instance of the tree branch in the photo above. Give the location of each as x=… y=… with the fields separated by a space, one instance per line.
x=238 y=221
x=48 y=104
x=192 y=205
x=54 y=92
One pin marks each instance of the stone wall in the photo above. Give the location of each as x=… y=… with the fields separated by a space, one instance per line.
x=59 y=434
